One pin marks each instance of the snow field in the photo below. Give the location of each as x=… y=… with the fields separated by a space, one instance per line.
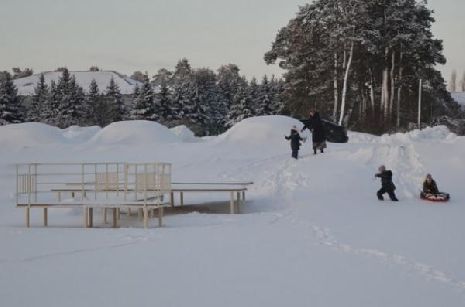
x=313 y=233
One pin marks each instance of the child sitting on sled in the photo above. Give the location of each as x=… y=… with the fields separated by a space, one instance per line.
x=431 y=191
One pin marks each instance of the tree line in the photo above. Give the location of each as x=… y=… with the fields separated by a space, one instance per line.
x=360 y=62
x=208 y=102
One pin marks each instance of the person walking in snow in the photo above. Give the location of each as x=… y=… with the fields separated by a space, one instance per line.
x=295 y=139
x=315 y=125
x=387 y=186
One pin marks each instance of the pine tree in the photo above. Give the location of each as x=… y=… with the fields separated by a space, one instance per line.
x=183 y=91
x=53 y=102
x=277 y=101
x=205 y=97
x=163 y=100
x=39 y=110
x=264 y=101
x=241 y=107
x=84 y=111
x=72 y=107
x=97 y=104
x=253 y=96
x=10 y=109
x=115 y=101
x=229 y=81
x=144 y=103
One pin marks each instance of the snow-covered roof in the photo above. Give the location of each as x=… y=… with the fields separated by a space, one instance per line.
x=83 y=78
x=459 y=97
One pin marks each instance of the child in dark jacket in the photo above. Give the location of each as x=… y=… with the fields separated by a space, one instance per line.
x=387 y=186
x=295 y=139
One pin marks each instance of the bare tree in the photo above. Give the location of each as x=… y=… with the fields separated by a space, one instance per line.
x=453 y=81
x=462 y=83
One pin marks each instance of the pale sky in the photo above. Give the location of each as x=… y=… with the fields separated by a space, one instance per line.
x=129 y=35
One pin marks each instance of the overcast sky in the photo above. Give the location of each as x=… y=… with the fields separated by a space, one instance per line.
x=129 y=35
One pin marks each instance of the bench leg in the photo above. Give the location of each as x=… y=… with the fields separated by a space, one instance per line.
x=91 y=217
x=172 y=199
x=182 y=198
x=140 y=214
x=86 y=218
x=243 y=197
x=146 y=218
x=118 y=211
x=45 y=217
x=28 y=217
x=160 y=216
x=115 y=217
x=238 y=202
x=231 y=204
x=129 y=211
x=105 y=215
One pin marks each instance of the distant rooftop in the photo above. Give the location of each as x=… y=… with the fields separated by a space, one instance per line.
x=83 y=78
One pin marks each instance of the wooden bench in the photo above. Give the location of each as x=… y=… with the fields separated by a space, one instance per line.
x=236 y=192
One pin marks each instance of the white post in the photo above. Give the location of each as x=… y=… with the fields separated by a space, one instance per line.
x=420 y=89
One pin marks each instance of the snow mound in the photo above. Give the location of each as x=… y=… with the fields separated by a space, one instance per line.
x=438 y=134
x=83 y=78
x=429 y=134
x=134 y=133
x=185 y=134
x=29 y=134
x=81 y=134
x=261 y=130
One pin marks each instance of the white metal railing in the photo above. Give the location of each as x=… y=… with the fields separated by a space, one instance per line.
x=105 y=183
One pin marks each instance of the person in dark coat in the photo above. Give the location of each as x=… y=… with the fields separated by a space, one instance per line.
x=430 y=186
x=387 y=186
x=431 y=191
x=315 y=125
x=295 y=139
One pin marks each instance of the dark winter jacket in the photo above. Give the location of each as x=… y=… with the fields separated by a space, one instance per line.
x=386 y=180
x=430 y=187
x=315 y=125
x=295 y=139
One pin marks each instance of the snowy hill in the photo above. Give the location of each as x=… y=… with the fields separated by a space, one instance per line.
x=312 y=232
x=83 y=78
x=459 y=97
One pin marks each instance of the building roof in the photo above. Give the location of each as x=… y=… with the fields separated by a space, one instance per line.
x=83 y=78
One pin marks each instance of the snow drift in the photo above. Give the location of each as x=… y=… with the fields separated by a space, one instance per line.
x=126 y=133
x=260 y=130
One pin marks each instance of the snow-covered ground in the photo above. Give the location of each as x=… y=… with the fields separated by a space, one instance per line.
x=312 y=234
x=83 y=78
